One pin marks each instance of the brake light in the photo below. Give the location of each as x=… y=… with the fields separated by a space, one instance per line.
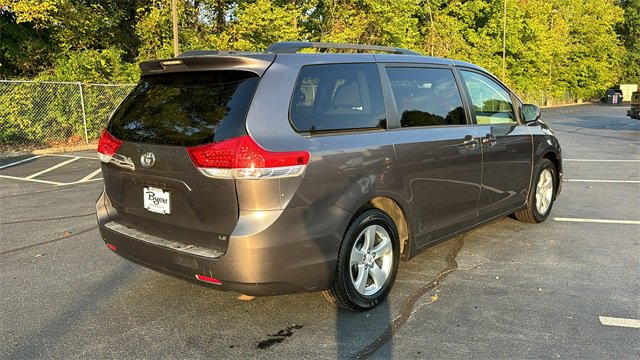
x=243 y=158
x=107 y=146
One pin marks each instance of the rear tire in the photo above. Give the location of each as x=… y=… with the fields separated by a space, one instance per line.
x=540 y=199
x=367 y=262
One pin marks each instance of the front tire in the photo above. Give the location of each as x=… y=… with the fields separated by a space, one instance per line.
x=367 y=262
x=540 y=199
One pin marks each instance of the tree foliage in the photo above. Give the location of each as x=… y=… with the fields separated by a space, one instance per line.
x=552 y=46
x=630 y=34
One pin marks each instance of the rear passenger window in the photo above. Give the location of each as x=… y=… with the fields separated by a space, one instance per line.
x=491 y=103
x=338 y=97
x=426 y=97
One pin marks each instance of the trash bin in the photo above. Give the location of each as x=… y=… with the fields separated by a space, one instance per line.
x=614 y=96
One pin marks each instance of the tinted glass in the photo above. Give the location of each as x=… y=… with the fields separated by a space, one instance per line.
x=426 y=97
x=491 y=102
x=337 y=97
x=185 y=109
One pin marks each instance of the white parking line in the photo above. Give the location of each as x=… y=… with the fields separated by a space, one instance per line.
x=602 y=160
x=31 y=180
x=47 y=181
x=604 y=181
x=32 y=177
x=52 y=168
x=18 y=162
x=72 y=156
x=86 y=178
x=598 y=221
x=611 y=321
x=80 y=181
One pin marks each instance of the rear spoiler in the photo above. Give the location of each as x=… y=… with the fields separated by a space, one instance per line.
x=204 y=61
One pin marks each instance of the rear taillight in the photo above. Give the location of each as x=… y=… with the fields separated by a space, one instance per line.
x=242 y=158
x=107 y=146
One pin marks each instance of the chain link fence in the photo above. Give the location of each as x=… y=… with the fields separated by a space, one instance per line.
x=43 y=114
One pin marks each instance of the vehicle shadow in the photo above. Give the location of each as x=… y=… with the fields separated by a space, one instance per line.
x=364 y=335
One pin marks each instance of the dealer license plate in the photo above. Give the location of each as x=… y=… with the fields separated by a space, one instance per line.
x=157 y=200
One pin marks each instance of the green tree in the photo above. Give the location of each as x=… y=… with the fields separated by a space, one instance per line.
x=630 y=36
x=259 y=24
x=552 y=46
x=47 y=32
x=441 y=28
x=39 y=13
x=385 y=22
x=595 y=50
x=24 y=50
x=92 y=66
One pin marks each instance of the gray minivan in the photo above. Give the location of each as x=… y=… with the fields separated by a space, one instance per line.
x=282 y=172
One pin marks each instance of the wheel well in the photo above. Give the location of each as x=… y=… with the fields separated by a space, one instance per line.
x=554 y=159
x=392 y=208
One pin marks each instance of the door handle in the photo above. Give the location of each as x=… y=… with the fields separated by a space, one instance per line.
x=490 y=140
x=470 y=142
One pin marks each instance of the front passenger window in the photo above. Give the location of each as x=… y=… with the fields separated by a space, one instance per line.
x=492 y=104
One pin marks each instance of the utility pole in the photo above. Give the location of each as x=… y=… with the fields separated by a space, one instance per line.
x=174 y=16
x=504 y=41
x=433 y=28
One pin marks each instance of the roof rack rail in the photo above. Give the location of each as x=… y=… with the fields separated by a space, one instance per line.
x=291 y=47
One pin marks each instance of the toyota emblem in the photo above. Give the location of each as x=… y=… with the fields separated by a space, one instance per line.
x=148 y=159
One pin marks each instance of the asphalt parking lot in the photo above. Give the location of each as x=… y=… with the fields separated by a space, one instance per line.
x=567 y=288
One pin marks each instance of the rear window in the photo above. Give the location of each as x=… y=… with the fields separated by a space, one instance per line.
x=338 y=97
x=186 y=108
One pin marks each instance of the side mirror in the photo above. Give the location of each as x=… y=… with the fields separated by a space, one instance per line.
x=530 y=113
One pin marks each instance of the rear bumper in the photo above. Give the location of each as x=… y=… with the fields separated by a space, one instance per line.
x=295 y=251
